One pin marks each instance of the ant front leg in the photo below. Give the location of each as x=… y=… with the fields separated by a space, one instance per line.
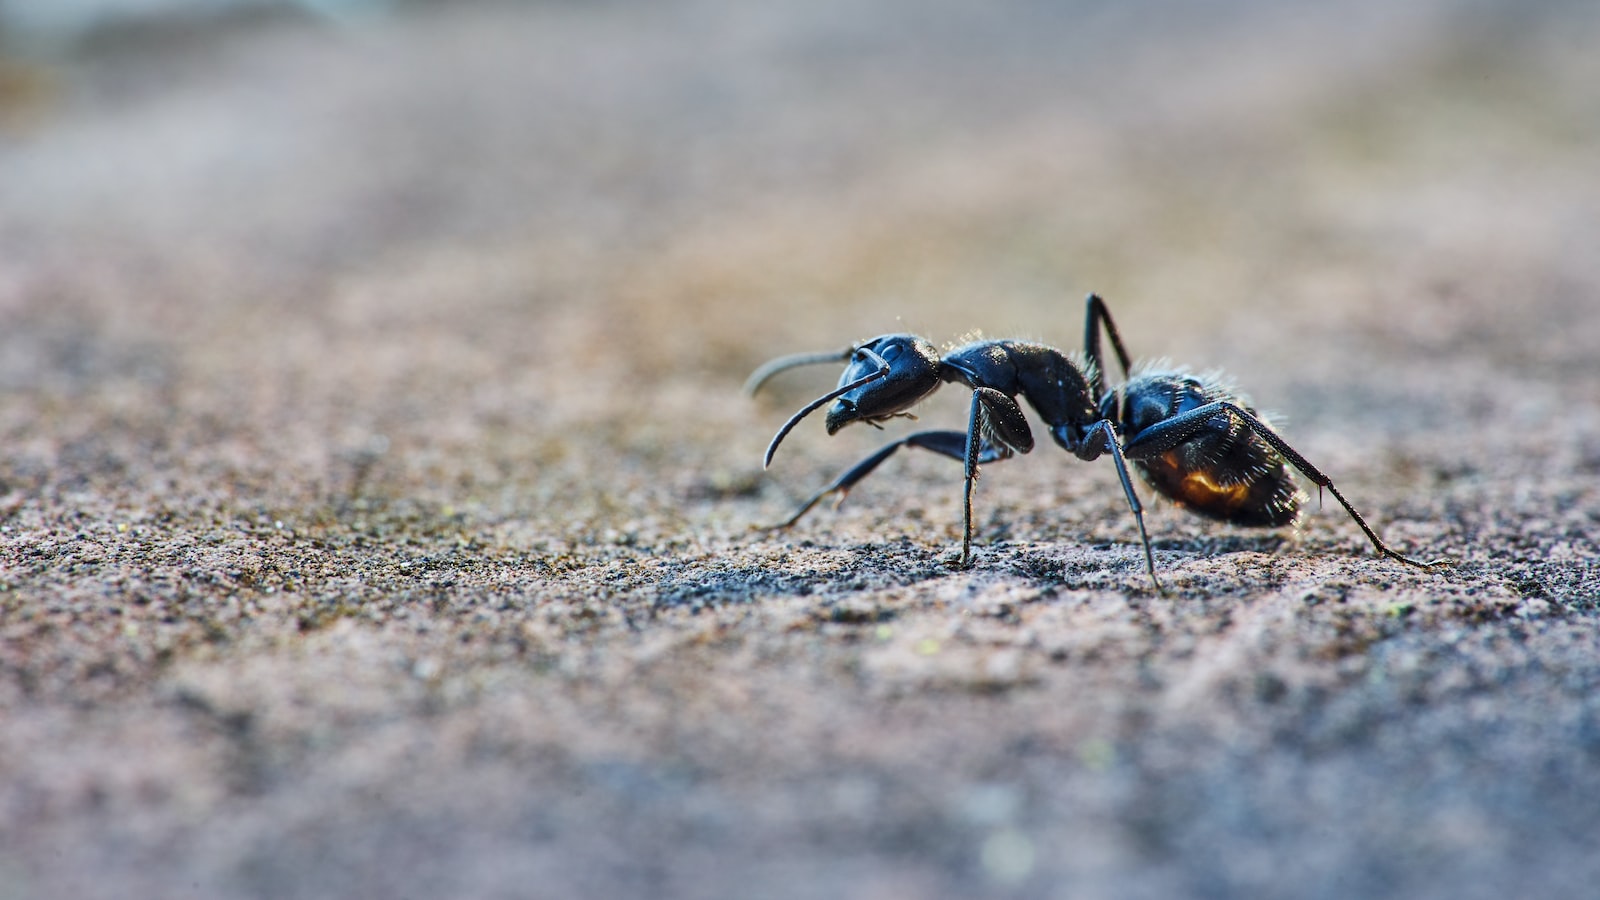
x=998 y=417
x=1166 y=435
x=945 y=443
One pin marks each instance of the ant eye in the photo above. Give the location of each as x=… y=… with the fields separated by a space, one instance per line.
x=890 y=352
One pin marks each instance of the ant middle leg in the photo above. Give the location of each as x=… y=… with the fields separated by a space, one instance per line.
x=1101 y=438
x=1096 y=314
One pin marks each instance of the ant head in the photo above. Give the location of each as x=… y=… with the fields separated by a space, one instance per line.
x=907 y=370
x=884 y=377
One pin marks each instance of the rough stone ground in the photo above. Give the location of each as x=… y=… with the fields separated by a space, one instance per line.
x=376 y=490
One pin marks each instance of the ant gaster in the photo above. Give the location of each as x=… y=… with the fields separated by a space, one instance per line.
x=1192 y=439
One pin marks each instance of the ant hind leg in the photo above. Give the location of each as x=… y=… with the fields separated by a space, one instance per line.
x=1174 y=431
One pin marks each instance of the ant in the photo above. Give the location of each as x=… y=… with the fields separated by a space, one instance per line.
x=1191 y=438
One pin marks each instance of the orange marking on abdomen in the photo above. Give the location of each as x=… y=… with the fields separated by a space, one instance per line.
x=1199 y=489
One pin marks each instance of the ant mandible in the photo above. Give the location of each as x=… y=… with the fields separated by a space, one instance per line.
x=1192 y=438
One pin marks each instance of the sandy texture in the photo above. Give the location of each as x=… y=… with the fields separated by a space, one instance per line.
x=376 y=491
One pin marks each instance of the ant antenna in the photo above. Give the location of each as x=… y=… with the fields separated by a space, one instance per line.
x=804 y=359
x=792 y=361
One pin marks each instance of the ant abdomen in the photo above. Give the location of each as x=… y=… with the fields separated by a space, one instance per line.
x=1221 y=468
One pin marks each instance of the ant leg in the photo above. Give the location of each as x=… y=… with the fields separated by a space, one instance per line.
x=946 y=443
x=1164 y=436
x=1000 y=418
x=974 y=419
x=1096 y=314
x=1102 y=438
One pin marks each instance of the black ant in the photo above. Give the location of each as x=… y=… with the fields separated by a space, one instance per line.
x=1194 y=440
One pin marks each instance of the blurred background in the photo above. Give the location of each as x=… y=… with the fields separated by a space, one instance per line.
x=297 y=225
x=375 y=480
